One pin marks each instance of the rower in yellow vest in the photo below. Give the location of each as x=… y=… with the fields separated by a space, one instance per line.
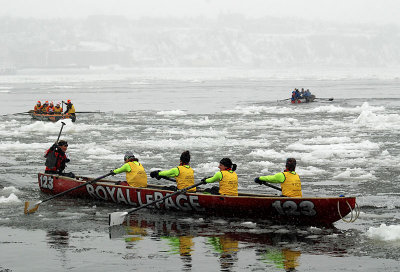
x=135 y=173
x=70 y=110
x=58 y=109
x=289 y=179
x=44 y=107
x=227 y=177
x=183 y=174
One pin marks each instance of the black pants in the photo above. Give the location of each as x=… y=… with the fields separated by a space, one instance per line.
x=170 y=188
x=213 y=190
x=70 y=174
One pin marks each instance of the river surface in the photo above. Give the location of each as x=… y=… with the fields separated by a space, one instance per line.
x=347 y=146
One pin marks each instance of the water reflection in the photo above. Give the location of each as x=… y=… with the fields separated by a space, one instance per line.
x=182 y=245
x=286 y=258
x=59 y=240
x=271 y=246
x=227 y=249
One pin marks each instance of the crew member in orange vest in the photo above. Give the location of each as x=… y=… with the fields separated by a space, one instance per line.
x=289 y=179
x=38 y=107
x=50 y=108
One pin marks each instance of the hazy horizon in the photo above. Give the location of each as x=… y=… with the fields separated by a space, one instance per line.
x=342 y=11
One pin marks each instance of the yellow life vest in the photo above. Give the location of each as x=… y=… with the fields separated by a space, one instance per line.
x=71 y=110
x=38 y=108
x=58 y=110
x=291 y=187
x=185 y=178
x=137 y=176
x=185 y=245
x=228 y=185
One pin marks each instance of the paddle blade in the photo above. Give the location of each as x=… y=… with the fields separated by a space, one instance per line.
x=32 y=210
x=116 y=218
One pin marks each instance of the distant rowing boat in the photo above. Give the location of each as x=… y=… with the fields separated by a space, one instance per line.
x=50 y=117
x=316 y=211
x=304 y=100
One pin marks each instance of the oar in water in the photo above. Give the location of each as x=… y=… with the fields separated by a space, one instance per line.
x=19 y=113
x=36 y=205
x=329 y=99
x=117 y=218
x=284 y=99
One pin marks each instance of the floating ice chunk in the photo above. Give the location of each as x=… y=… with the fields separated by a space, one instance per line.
x=384 y=233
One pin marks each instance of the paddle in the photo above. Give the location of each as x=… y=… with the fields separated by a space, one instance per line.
x=36 y=205
x=117 y=218
x=23 y=113
x=330 y=99
x=272 y=186
x=59 y=134
x=284 y=99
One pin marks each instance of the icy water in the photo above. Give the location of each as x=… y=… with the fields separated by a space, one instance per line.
x=346 y=146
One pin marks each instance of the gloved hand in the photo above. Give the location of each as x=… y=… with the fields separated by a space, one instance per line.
x=112 y=173
x=154 y=174
x=203 y=180
x=257 y=180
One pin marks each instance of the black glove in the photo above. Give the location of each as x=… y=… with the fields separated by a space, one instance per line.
x=257 y=180
x=112 y=173
x=203 y=180
x=154 y=174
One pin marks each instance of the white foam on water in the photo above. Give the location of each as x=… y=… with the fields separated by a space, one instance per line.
x=201 y=122
x=208 y=167
x=375 y=121
x=267 y=153
x=10 y=189
x=172 y=113
x=12 y=198
x=384 y=232
x=355 y=174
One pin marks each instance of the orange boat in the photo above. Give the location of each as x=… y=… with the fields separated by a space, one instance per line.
x=50 y=117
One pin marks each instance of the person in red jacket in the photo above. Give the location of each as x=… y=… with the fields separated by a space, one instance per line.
x=56 y=159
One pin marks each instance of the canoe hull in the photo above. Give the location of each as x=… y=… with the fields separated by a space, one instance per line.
x=304 y=211
x=50 y=117
x=304 y=100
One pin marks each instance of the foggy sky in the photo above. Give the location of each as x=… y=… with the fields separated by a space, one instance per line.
x=346 y=11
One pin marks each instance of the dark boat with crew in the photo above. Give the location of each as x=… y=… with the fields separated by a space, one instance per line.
x=316 y=211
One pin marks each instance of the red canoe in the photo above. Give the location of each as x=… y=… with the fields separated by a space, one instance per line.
x=315 y=211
